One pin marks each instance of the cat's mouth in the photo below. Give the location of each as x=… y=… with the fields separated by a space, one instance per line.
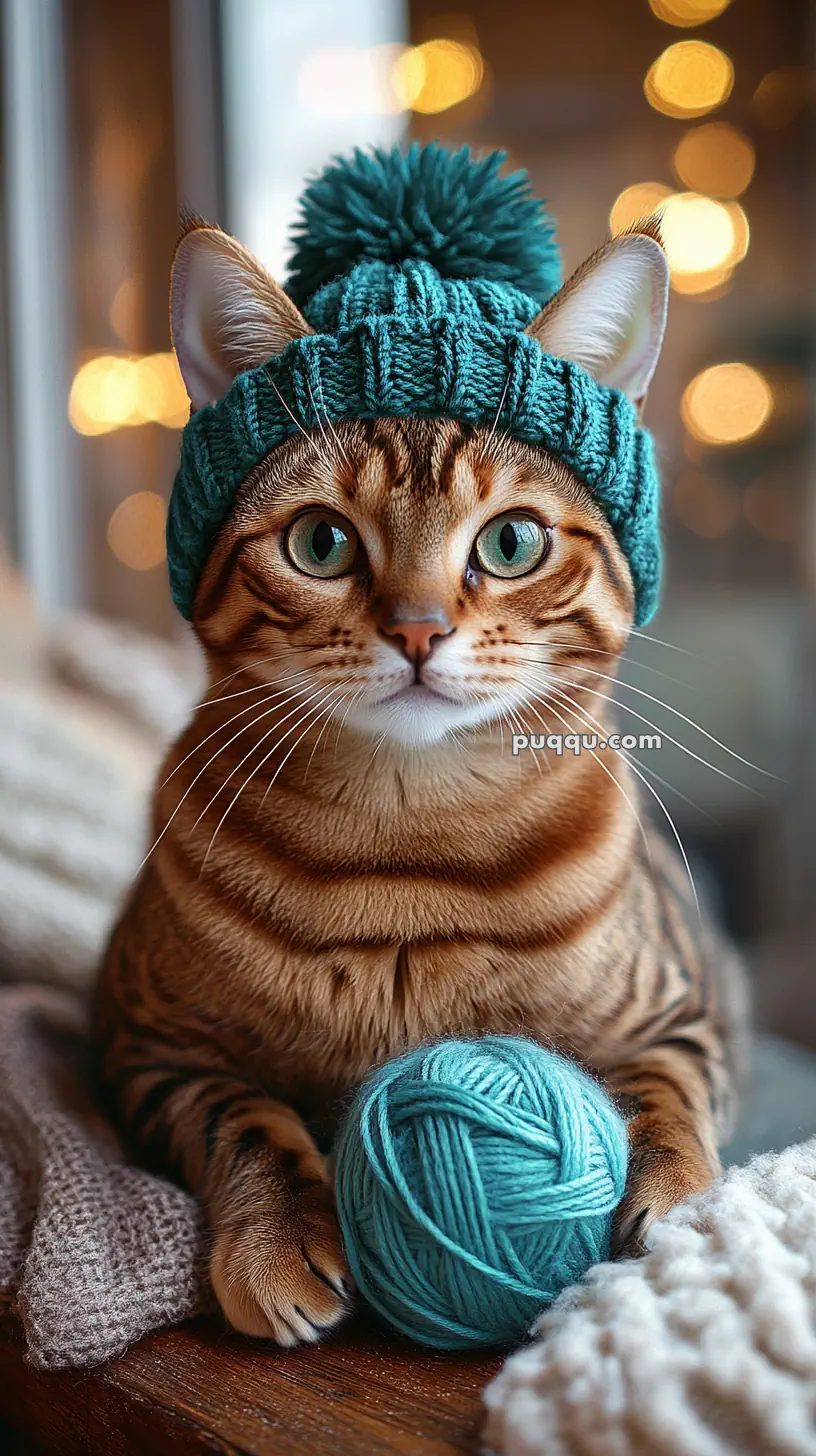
x=416 y=693
x=418 y=715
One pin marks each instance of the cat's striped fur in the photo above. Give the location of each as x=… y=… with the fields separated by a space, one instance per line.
x=361 y=894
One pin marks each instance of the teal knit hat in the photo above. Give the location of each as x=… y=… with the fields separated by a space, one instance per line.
x=419 y=272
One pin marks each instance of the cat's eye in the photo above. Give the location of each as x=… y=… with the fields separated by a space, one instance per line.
x=322 y=543
x=510 y=545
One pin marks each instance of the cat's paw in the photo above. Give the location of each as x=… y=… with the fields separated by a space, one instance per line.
x=659 y=1179
x=282 y=1278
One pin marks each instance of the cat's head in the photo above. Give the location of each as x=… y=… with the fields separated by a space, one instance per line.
x=414 y=578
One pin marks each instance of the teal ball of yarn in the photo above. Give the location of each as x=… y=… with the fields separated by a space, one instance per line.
x=475 y=1180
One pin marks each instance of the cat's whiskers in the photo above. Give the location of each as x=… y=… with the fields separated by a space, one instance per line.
x=589 y=720
x=512 y=715
x=547 y=702
x=635 y=769
x=504 y=713
x=330 y=427
x=281 y=692
x=533 y=697
x=627 y=707
x=641 y=692
x=377 y=747
x=342 y=723
x=310 y=713
x=503 y=717
x=313 y=668
x=671 y=787
x=644 y=766
x=298 y=651
x=316 y=714
x=601 y=652
x=460 y=735
x=329 y=443
x=493 y=428
x=211 y=760
x=259 y=662
x=255 y=746
x=644 y=636
x=525 y=727
x=320 y=735
x=545 y=725
x=654 y=774
x=324 y=460
x=656 y=728
x=494 y=697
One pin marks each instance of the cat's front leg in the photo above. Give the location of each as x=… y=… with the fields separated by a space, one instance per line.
x=672 y=1129
x=277 y=1264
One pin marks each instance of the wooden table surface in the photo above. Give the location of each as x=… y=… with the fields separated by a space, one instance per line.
x=199 y=1388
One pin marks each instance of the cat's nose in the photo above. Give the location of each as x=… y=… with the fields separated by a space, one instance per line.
x=417 y=639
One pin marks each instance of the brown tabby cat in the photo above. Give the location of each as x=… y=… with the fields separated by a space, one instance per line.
x=346 y=859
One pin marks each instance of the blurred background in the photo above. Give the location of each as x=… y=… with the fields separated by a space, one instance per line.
x=114 y=115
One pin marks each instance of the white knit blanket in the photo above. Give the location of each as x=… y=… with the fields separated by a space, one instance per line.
x=705 y=1347
x=75 y=772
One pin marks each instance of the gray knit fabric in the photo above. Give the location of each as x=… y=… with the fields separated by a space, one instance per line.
x=96 y=1252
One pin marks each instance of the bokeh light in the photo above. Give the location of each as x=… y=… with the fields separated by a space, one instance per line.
x=636 y=203
x=690 y=78
x=707 y=283
x=712 y=282
x=704 y=239
x=706 y=504
x=688 y=12
x=727 y=404
x=163 y=394
x=715 y=158
x=742 y=232
x=782 y=95
x=698 y=233
x=439 y=74
x=136 y=531
x=385 y=80
x=112 y=391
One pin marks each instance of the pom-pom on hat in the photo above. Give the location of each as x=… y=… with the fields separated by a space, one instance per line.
x=420 y=273
x=444 y=208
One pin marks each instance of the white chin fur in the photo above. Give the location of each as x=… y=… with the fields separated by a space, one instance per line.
x=418 y=722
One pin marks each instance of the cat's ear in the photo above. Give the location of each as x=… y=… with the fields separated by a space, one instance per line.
x=226 y=313
x=610 y=316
